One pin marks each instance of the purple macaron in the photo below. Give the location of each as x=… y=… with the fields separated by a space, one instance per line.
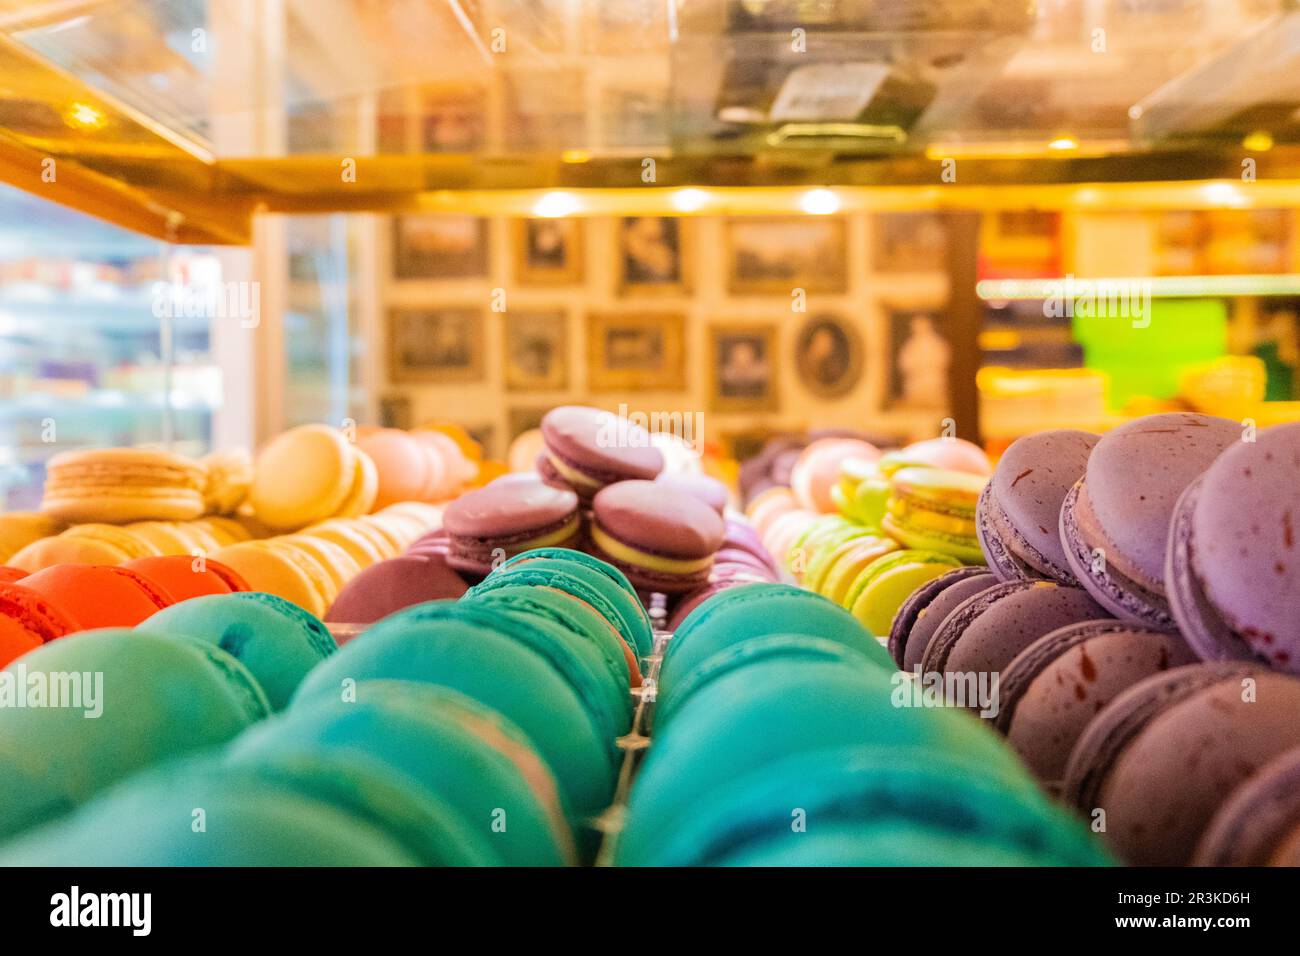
x=389 y=586
x=1018 y=514
x=923 y=612
x=983 y=634
x=1233 y=567
x=1115 y=521
x=1259 y=823
x=1053 y=688
x=707 y=489
x=512 y=514
x=1164 y=755
x=663 y=542
x=589 y=448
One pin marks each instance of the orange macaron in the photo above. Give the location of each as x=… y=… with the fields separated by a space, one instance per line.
x=98 y=595
x=184 y=577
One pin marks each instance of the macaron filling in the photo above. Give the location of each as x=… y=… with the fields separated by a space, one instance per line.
x=483 y=550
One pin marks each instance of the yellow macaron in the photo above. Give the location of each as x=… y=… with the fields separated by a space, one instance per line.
x=336 y=562
x=302 y=476
x=284 y=572
x=20 y=528
x=85 y=544
x=117 y=485
x=350 y=538
x=365 y=486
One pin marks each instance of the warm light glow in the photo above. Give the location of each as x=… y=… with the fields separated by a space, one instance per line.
x=819 y=202
x=1223 y=194
x=85 y=115
x=1161 y=287
x=555 y=205
x=1062 y=143
x=575 y=156
x=689 y=200
x=1260 y=141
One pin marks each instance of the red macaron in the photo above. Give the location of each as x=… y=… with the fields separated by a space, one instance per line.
x=99 y=595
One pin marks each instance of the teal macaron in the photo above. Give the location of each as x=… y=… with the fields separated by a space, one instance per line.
x=595 y=581
x=203 y=812
x=748 y=611
x=765 y=710
x=278 y=641
x=592 y=636
x=453 y=747
x=887 y=804
x=125 y=700
x=487 y=654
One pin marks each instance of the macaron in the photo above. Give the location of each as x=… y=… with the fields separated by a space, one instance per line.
x=1018 y=515
x=768 y=506
x=228 y=477
x=612 y=597
x=817 y=470
x=20 y=528
x=84 y=544
x=1164 y=755
x=926 y=608
x=16 y=639
x=750 y=611
x=275 y=639
x=363 y=494
x=1232 y=572
x=862 y=493
x=184 y=577
x=450 y=745
x=588 y=448
x=934 y=509
x=117 y=485
x=481 y=651
x=847 y=561
x=508 y=516
x=875 y=805
x=1115 y=521
x=303 y=475
x=284 y=571
x=703 y=487
x=389 y=586
x=882 y=587
x=207 y=813
x=96 y=595
x=1055 y=686
x=407 y=469
x=1259 y=823
x=949 y=453
x=28 y=617
x=662 y=542
x=354 y=537
x=127 y=700
x=984 y=633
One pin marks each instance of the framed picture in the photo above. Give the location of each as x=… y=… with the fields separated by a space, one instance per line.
x=919 y=359
x=636 y=352
x=452 y=119
x=439 y=247
x=435 y=346
x=525 y=418
x=652 y=255
x=536 y=351
x=545 y=108
x=744 y=370
x=395 y=411
x=548 y=251
x=909 y=242
x=828 y=356
x=776 y=256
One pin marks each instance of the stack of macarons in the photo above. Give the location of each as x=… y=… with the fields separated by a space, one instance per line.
x=421 y=465
x=117 y=485
x=100 y=543
x=778 y=741
x=587 y=449
x=18 y=529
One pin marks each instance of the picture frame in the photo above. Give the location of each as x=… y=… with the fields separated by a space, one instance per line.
x=829 y=356
x=636 y=351
x=774 y=256
x=395 y=411
x=909 y=242
x=434 y=246
x=435 y=346
x=653 y=256
x=743 y=368
x=536 y=351
x=548 y=251
x=522 y=418
x=920 y=355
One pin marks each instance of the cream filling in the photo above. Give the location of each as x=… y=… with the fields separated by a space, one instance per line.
x=545 y=541
x=654 y=562
x=570 y=474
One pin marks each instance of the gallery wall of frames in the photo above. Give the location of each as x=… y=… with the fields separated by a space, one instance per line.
x=762 y=324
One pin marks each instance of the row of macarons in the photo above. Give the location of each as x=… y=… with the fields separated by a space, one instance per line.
x=477 y=731
x=302 y=476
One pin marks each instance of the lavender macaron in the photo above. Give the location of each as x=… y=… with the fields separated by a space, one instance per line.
x=589 y=448
x=985 y=633
x=1259 y=823
x=922 y=613
x=1114 y=522
x=1018 y=515
x=1164 y=755
x=1233 y=566
x=1054 y=687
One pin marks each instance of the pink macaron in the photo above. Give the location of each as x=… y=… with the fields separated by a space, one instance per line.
x=817 y=470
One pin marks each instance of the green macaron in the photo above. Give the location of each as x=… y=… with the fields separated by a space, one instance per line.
x=207 y=813
x=537 y=683
x=435 y=737
x=755 y=610
x=112 y=702
x=881 y=588
x=598 y=583
x=275 y=639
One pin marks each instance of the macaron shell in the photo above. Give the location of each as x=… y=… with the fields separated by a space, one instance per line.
x=817 y=470
x=303 y=475
x=403 y=464
x=884 y=585
x=15 y=640
x=275 y=572
x=364 y=489
x=181 y=576
x=923 y=612
x=1257 y=820
x=597 y=447
x=389 y=586
x=98 y=595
